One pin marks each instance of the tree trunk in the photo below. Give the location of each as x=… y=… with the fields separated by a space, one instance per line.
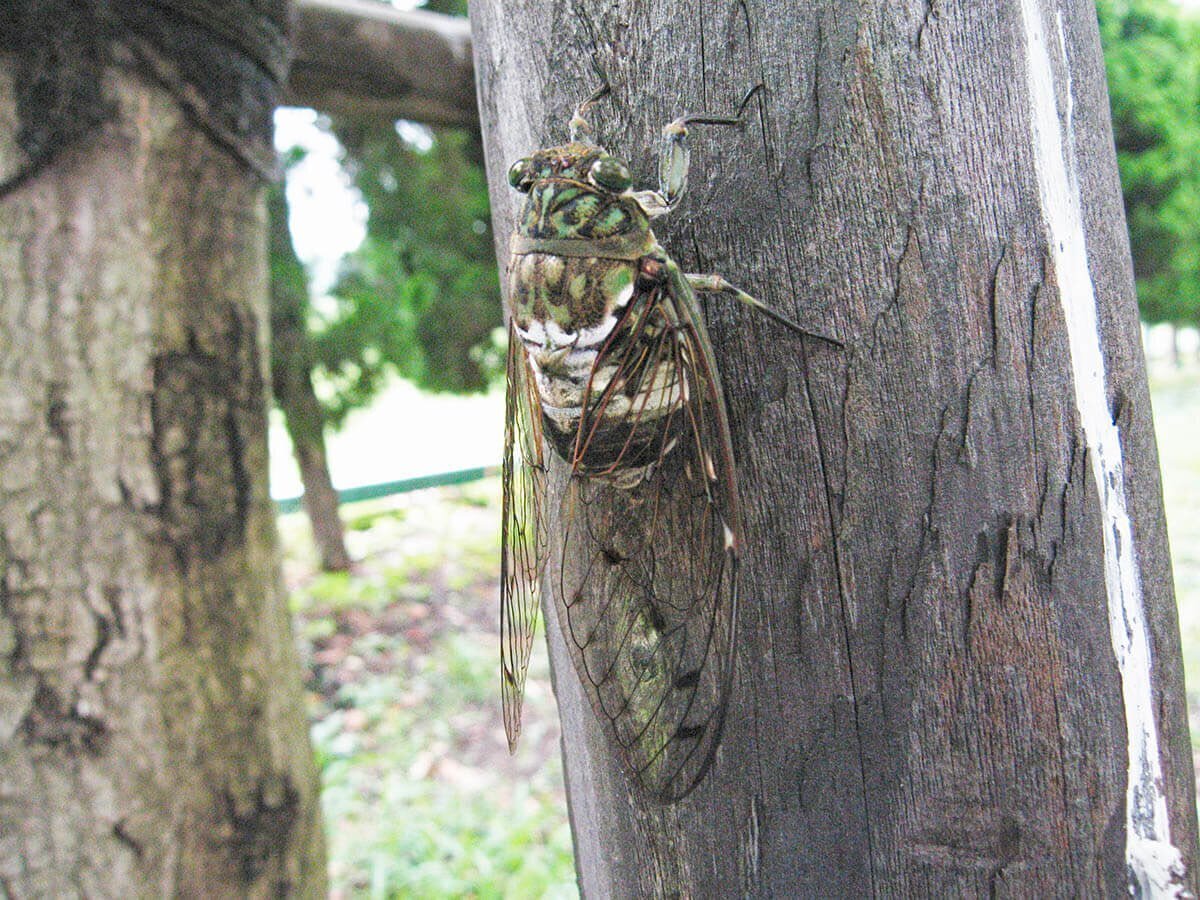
x=153 y=737
x=320 y=497
x=291 y=379
x=959 y=662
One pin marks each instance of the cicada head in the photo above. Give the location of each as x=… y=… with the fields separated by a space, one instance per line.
x=576 y=190
x=583 y=164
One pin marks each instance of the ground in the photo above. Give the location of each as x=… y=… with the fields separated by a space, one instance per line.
x=421 y=797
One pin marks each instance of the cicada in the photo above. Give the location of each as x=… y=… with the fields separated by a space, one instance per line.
x=610 y=370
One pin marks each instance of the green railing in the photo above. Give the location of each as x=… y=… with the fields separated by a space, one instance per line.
x=388 y=488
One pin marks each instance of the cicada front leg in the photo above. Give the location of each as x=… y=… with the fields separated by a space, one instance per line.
x=675 y=157
x=579 y=126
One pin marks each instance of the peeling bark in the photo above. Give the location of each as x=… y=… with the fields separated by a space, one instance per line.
x=928 y=702
x=153 y=739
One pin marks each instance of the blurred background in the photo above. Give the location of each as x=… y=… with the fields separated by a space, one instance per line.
x=388 y=376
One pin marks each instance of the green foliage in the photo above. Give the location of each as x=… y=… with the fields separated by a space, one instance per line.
x=1152 y=53
x=447 y=7
x=421 y=295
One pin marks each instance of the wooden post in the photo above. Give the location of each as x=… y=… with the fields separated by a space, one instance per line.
x=959 y=664
x=366 y=60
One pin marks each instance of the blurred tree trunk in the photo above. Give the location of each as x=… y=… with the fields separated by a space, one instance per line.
x=291 y=379
x=959 y=671
x=153 y=736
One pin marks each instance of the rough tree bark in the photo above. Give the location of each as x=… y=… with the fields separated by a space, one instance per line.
x=153 y=738
x=291 y=381
x=959 y=669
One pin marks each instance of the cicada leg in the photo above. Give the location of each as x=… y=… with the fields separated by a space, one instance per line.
x=715 y=284
x=675 y=157
x=579 y=126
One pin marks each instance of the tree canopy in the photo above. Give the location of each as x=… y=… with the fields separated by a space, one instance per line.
x=1152 y=54
x=420 y=297
x=422 y=293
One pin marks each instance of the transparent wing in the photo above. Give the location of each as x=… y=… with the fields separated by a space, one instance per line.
x=647 y=574
x=522 y=535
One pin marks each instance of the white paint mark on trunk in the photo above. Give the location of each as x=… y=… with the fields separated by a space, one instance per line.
x=1155 y=865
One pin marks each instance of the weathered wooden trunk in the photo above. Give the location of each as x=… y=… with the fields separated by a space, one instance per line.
x=959 y=667
x=153 y=737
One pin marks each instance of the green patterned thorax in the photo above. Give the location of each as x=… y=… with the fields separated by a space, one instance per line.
x=576 y=247
x=571 y=292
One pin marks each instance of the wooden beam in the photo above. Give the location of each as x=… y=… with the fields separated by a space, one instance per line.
x=361 y=58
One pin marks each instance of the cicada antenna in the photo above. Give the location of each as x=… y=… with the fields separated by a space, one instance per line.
x=580 y=129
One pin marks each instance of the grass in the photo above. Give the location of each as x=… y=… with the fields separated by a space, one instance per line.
x=421 y=797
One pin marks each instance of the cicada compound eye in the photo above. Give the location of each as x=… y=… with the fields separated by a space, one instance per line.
x=520 y=175
x=610 y=174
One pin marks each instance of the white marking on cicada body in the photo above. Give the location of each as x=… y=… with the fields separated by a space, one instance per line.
x=657 y=399
x=623 y=296
x=565 y=418
x=663 y=392
x=533 y=336
x=601 y=379
x=558 y=336
x=597 y=334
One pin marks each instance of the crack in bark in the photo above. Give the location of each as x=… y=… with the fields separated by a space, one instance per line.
x=933 y=9
x=103 y=637
x=16 y=656
x=750 y=850
x=843 y=600
x=967 y=454
x=1001 y=284
x=128 y=840
x=1063 y=796
x=56 y=414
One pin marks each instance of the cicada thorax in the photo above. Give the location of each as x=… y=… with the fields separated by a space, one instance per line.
x=579 y=292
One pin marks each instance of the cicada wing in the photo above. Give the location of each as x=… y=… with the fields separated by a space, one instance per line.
x=523 y=533
x=647 y=575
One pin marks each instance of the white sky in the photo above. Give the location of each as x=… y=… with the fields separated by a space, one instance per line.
x=328 y=218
